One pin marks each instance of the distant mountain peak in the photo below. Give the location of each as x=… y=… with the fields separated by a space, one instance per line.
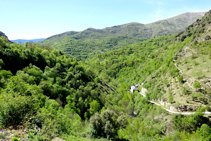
x=91 y=40
x=27 y=40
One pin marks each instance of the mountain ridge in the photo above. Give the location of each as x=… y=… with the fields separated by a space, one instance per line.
x=92 y=41
x=27 y=40
x=137 y=24
x=46 y=94
x=174 y=69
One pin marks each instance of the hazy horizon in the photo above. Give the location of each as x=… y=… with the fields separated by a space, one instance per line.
x=42 y=19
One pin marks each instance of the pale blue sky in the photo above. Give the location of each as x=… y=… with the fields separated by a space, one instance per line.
x=30 y=19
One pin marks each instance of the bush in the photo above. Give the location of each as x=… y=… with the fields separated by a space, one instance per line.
x=171 y=98
x=107 y=124
x=183 y=37
x=208 y=107
x=180 y=79
x=207 y=37
x=196 y=85
x=15 y=139
x=189 y=34
x=185 y=90
x=189 y=123
x=14 y=110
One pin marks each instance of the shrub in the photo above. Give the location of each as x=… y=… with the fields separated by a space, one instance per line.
x=180 y=79
x=184 y=90
x=189 y=34
x=15 y=139
x=183 y=37
x=195 y=42
x=107 y=124
x=196 y=85
x=207 y=37
x=208 y=107
x=170 y=98
x=189 y=123
x=14 y=110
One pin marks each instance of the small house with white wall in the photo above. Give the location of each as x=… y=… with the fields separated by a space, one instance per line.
x=134 y=88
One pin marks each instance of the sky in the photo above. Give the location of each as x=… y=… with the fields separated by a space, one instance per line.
x=31 y=19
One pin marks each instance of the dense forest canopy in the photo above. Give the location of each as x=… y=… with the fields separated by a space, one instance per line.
x=49 y=94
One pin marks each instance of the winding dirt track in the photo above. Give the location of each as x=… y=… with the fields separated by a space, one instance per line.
x=174 y=112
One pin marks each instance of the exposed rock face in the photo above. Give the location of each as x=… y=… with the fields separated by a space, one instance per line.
x=207 y=37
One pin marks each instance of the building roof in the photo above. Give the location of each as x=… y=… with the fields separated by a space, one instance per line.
x=134 y=88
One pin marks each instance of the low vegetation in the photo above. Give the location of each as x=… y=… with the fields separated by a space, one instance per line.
x=46 y=94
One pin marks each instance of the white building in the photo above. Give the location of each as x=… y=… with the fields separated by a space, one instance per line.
x=134 y=88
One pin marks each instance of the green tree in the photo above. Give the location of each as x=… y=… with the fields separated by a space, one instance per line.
x=107 y=124
x=1 y=63
x=205 y=131
x=94 y=106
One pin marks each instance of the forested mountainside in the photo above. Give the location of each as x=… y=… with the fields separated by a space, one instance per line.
x=174 y=70
x=3 y=35
x=41 y=88
x=170 y=66
x=94 y=41
x=46 y=94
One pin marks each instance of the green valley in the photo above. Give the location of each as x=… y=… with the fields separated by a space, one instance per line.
x=47 y=94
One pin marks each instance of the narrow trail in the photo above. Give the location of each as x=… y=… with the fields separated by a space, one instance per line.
x=173 y=112
x=170 y=111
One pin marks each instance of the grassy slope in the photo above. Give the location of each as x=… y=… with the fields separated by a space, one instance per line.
x=152 y=61
x=93 y=41
x=193 y=62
